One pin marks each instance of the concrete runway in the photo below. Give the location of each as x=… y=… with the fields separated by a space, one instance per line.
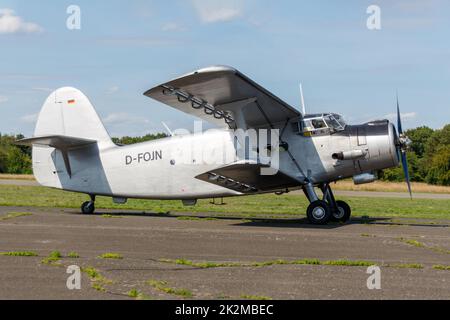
x=145 y=238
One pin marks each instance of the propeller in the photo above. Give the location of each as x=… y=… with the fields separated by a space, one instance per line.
x=402 y=146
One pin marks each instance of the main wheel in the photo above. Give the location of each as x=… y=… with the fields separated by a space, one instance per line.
x=318 y=212
x=343 y=213
x=88 y=207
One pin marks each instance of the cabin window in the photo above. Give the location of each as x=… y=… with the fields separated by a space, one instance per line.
x=318 y=123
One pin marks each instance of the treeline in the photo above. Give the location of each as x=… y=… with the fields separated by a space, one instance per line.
x=14 y=159
x=131 y=140
x=17 y=159
x=428 y=157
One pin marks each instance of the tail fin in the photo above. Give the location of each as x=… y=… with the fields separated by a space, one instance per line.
x=67 y=140
x=68 y=112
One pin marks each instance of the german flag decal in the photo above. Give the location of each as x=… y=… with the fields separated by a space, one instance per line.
x=72 y=101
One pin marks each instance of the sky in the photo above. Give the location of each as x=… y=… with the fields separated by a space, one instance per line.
x=124 y=48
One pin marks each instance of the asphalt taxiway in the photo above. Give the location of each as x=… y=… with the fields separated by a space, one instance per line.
x=150 y=245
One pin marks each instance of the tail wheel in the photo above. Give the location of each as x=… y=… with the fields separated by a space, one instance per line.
x=343 y=212
x=88 y=207
x=318 y=212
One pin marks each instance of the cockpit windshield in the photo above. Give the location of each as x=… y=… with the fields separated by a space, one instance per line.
x=332 y=122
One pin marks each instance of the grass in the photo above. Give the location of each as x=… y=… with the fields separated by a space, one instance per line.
x=19 y=254
x=12 y=215
x=293 y=204
x=196 y=218
x=110 y=255
x=407 y=265
x=162 y=286
x=368 y=235
x=110 y=216
x=419 y=244
x=414 y=243
x=346 y=184
x=97 y=279
x=252 y=297
x=7 y=176
x=441 y=267
x=73 y=255
x=341 y=262
x=136 y=294
x=384 y=186
x=349 y=263
x=98 y=286
x=53 y=259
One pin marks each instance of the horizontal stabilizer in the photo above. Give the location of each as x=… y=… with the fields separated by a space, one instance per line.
x=62 y=143
x=247 y=178
x=57 y=142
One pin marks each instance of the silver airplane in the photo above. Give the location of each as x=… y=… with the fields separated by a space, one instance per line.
x=73 y=151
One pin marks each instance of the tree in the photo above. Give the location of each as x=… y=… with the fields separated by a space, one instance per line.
x=437 y=157
x=131 y=140
x=18 y=161
x=396 y=173
x=439 y=170
x=419 y=137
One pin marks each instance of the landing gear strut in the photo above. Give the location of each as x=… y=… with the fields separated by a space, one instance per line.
x=88 y=207
x=322 y=211
x=318 y=211
x=340 y=210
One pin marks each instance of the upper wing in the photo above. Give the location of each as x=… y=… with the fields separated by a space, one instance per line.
x=225 y=97
x=246 y=177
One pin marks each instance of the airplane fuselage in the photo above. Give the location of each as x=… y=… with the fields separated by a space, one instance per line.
x=167 y=168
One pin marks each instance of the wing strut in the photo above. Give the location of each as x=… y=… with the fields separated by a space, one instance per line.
x=297 y=165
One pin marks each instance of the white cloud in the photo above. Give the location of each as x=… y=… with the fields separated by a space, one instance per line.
x=404 y=116
x=211 y=11
x=11 y=23
x=112 y=90
x=29 y=118
x=3 y=99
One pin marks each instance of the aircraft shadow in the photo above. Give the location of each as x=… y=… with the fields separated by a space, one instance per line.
x=297 y=222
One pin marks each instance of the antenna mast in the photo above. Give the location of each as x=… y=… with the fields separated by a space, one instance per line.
x=302 y=100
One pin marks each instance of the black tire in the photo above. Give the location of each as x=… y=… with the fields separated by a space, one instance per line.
x=343 y=215
x=88 y=207
x=318 y=212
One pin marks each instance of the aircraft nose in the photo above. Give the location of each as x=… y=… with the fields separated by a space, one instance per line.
x=394 y=143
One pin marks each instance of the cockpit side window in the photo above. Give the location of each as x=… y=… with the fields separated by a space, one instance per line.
x=318 y=123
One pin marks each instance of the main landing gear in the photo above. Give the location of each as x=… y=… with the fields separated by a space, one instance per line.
x=327 y=209
x=88 y=207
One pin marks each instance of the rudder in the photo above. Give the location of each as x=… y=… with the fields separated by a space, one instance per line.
x=68 y=112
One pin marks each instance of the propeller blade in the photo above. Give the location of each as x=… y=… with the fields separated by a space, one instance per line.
x=402 y=149
x=405 y=171
x=399 y=120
